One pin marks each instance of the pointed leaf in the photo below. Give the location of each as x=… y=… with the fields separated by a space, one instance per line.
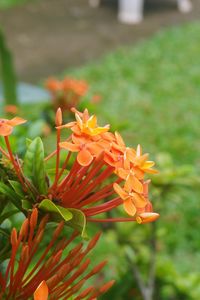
x=78 y=221
x=17 y=188
x=10 y=195
x=8 y=214
x=59 y=213
x=34 y=165
x=26 y=204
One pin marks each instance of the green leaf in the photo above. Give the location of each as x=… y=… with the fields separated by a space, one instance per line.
x=28 y=142
x=26 y=204
x=8 y=214
x=75 y=218
x=78 y=221
x=17 y=188
x=10 y=194
x=59 y=213
x=34 y=165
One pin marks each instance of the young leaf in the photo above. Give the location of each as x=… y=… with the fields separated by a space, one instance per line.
x=78 y=221
x=10 y=195
x=7 y=215
x=17 y=188
x=59 y=213
x=75 y=218
x=26 y=205
x=34 y=165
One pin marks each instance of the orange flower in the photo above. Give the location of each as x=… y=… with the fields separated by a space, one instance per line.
x=53 y=85
x=6 y=126
x=132 y=201
x=85 y=124
x=76 y=86
x=12 y=109
x=141 y=163
x=132 y=182
x=86 y=149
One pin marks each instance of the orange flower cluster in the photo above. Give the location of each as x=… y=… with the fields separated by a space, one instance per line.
x=105 y=151
x=66 y=93
x=54 y=274
x=105 y=172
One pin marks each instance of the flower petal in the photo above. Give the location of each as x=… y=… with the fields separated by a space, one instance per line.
x=16 y=121
x=132 y=183
x=42 y=291
x=120 y=191
x=139 y=201
x=84 y=158
x=119 y=139
x=5 y=129
x=69 y=146
x=129 y=207
x=92 y=122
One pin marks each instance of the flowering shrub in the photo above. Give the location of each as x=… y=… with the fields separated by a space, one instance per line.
x=66 y=93
x=99 y=174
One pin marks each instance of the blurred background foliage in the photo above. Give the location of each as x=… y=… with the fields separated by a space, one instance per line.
x=150 y=93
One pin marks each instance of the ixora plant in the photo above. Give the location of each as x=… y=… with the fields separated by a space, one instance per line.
x=66 y=93
x=98 y=174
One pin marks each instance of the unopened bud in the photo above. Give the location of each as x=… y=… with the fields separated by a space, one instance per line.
x=86 y=292
x=58 y=119
x=93 y=242
x=24 y=229
x=147 y=217
x=34 y=218
x=13 y=237
x=58 y=230
x=99 y=267
x=106 y=286
x=25 y=254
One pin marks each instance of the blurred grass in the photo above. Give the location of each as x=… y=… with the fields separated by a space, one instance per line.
x=153 y=91
x=10 y=3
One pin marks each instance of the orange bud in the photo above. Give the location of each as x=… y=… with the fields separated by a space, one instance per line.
x=25 y=254
x=98 y=268
x=58 y=230
x=107 y=286
x=41 y=293
x=34 y=218
x=58 y=119
x=24 y=229
x=86 y=292
x=13 y=237
x=93 y=242
x=147 y=217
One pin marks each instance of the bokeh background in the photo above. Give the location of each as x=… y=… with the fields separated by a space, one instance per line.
x=144 y=80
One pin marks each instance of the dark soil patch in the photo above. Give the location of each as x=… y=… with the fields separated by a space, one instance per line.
x=49 y=36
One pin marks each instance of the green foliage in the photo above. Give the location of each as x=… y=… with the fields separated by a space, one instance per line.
x=153 y=90
x=7 y=73
x=73 y=217
x=34 y=167
x=8 y=192
x=10 y=3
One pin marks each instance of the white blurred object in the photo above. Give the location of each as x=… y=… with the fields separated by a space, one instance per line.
x=184 y=6
x=130 y=11
x=94 y=3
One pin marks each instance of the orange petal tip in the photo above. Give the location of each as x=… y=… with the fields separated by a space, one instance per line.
x=42 y=291
x=147 y=217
